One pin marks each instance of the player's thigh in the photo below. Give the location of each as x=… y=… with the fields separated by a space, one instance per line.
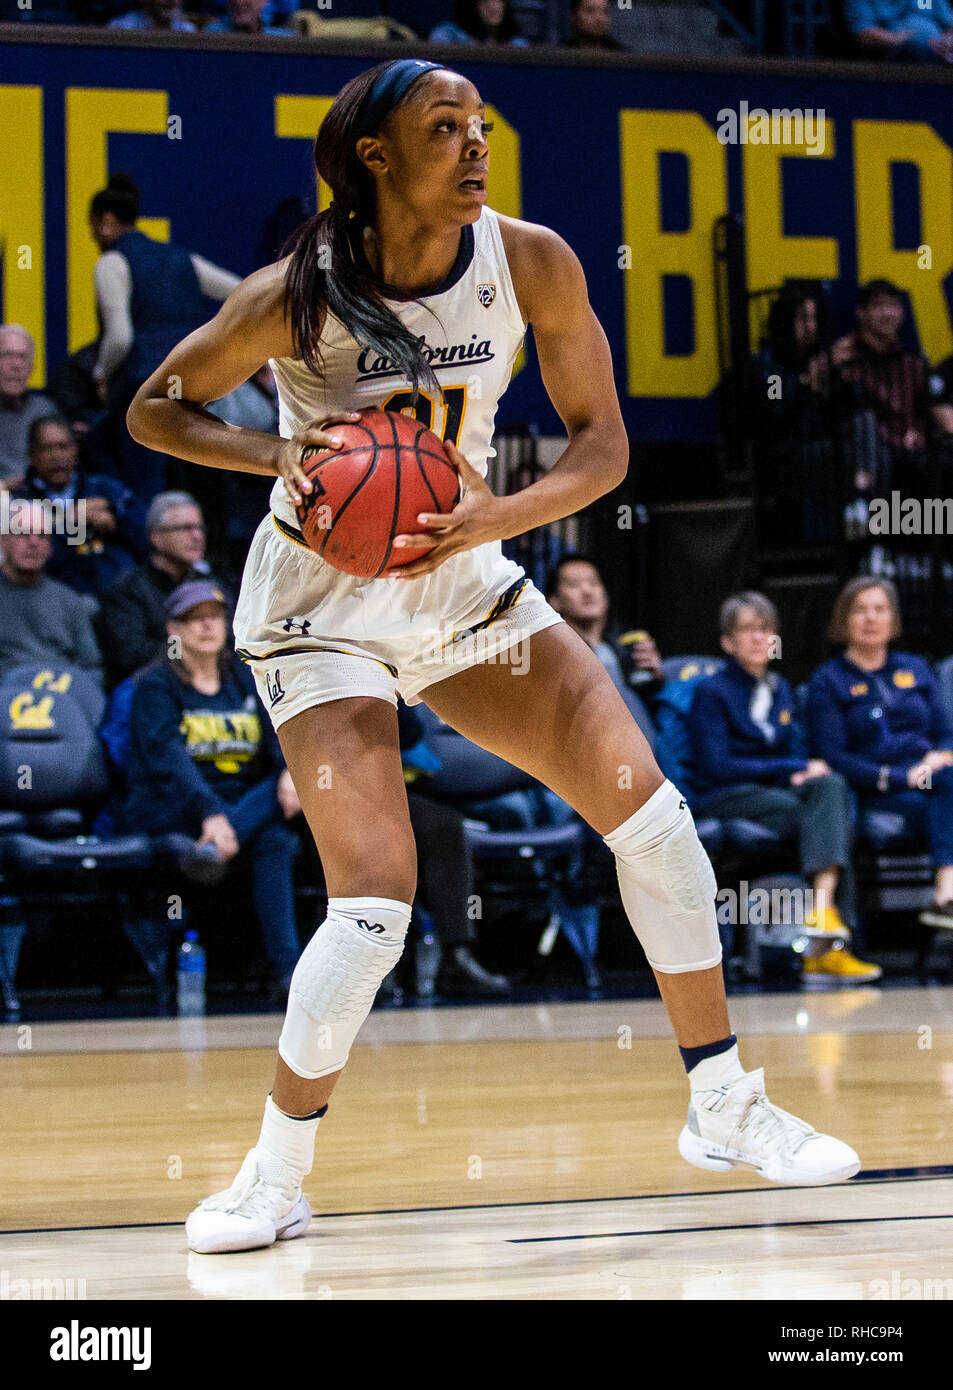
x=560 y=718
x=344 y=759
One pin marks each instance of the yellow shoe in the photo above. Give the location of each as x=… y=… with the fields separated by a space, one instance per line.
x=827 y=922
x=838 y=966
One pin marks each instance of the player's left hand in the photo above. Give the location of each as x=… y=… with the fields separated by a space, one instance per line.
x=476 y=519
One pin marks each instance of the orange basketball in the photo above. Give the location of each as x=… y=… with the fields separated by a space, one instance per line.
x=388 y=470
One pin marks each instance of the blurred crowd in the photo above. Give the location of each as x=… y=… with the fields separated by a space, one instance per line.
x=846 y=429
x=906 y=31
x=585 y=23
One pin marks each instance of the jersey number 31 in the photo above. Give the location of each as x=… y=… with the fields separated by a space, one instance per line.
x=455 y=398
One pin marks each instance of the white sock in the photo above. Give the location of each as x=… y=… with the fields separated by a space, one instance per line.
x=713 y=1072
x=285 y=1146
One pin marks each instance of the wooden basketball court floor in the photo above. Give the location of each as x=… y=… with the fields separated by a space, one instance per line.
x=509 y=1152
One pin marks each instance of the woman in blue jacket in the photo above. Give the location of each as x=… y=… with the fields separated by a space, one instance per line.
x=750 y=762
x=204 y=763
x=876 y=717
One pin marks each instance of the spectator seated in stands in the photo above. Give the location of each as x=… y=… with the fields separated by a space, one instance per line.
x=908 y=31
x=576 y=590
x=155 y=14
x=480 y=21
x=589 y=22
x=40 y=619
x=131 y=623
x=445 y=867
x=876 y=716
x=750 y=762
x=792 y=417
x=113 y=538
x=19 y=406
x=204 y=762
x=893 y=385
x=244 y=17
x=890 y=380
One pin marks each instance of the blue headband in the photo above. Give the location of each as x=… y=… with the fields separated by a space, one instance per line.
x=388 y=90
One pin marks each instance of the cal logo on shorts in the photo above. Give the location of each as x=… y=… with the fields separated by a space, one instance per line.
x=860 y=689
x=274 y=687
x=486 y=294
x=906 y=680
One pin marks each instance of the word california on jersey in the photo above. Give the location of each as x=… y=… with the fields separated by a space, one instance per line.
x=470 y=329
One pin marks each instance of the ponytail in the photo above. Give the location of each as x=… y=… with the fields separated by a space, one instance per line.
x=325 y=270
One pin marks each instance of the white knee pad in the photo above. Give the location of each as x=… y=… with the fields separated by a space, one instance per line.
x=336 y=979
x=667 y=884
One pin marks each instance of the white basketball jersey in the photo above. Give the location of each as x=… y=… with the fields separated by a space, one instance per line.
x=472 y=330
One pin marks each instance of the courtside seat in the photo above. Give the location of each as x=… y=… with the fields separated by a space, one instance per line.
x=53 y=773
x=712 y=835
x=84 y=854
x=944 y=676
x=747 y=837
x=691 y=668
x=887 y=832
x=466 y=769
x=55 y=824
x=530 y=862
x=53 y=780
x=523 y=844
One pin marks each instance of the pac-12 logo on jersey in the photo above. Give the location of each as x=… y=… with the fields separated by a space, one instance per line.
x=275 y=690
x=486 y=294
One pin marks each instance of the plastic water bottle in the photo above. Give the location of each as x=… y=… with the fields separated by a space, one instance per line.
x=426 y=958
x=190 y=977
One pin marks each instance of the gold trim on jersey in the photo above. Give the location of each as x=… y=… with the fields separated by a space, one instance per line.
x=502 y=604
x=290 y=533
x=248 y=657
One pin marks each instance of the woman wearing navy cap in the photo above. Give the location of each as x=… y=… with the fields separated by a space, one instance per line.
x=409 y=274
x=201 y=763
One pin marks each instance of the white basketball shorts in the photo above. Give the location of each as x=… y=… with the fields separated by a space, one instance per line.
x=311 y=634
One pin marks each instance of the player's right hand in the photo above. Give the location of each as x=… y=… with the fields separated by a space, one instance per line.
x=315 y=435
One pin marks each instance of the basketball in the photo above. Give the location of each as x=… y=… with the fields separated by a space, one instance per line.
x=388 y=470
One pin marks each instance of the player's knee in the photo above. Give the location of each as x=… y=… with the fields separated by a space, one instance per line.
x=336 y=979
x=667 y=884
x=382 y=866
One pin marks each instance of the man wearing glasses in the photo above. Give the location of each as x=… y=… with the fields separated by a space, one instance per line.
x=131 y=625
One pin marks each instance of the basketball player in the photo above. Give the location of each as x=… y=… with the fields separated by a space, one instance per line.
x=409 y=280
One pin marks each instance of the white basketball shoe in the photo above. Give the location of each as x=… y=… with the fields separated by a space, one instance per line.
x=737 y=1124
x=263 y=1204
